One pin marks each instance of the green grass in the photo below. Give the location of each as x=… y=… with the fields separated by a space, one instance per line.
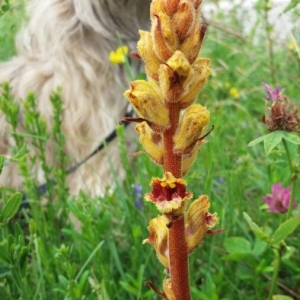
x=47 y=258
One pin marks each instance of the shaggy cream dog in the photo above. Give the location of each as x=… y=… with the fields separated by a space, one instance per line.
x=67 y=43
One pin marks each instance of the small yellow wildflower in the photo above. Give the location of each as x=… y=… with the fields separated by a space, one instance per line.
x=293 y=46
x=234 y=92
x=118 y=56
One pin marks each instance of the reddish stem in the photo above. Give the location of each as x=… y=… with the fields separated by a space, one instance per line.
x=178 y=254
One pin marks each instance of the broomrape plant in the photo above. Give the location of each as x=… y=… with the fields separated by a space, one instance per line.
x=172 y=130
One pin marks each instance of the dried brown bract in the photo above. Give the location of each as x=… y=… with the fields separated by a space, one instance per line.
x=283 y=115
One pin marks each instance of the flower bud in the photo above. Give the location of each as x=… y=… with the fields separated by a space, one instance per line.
x=147 y=101
x=197 y=3
x=157 y=7
x=171 y=6
x=146 y=51
x=180 y=64
x=164 y=36
x=190 y=129
x=172 y=76
x=192 y=44
x=183 y=19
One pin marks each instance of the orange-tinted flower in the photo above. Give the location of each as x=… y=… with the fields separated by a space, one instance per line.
x=168 y=194
x=199 y=221
x=158 y=238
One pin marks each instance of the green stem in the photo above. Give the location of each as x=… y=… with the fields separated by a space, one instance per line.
x=268 y=28
x=293 y=180
x=275 y=273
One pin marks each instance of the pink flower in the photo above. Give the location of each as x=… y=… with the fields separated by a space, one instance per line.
x=272 y=94
x=279 y=200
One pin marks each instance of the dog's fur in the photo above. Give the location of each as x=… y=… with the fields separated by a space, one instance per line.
x=67 y=43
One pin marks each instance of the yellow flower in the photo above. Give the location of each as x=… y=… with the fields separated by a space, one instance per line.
x=199 y=221
x=190 y=129
x=158 y=238
x=234 y=93
x=118 y=56
x=147 y=100
x=293 y=46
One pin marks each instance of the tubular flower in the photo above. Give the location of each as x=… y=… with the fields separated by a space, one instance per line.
x=191 y=127
x=158 y=238
x=151 y=143
x=168 y=194
x=196 y=83
x=146 y=51
x=183 y=19
x=172 y=129
x=199 y=221
x=172 y=76
x=188 y=159
x=164 y=38
x=147 y=101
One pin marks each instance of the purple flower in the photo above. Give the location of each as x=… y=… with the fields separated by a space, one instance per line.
x=279 y=200
x=272 y=94
x=137 y=190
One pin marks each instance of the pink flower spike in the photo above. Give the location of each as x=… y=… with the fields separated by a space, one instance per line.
x=279 y=200
x=272 y=94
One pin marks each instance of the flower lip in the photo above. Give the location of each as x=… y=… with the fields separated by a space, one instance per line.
x=168 y=188
x=168 y=193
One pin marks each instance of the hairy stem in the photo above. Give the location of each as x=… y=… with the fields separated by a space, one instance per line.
x=178 y=254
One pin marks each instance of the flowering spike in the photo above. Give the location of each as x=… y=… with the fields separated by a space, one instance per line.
x=171 y=138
